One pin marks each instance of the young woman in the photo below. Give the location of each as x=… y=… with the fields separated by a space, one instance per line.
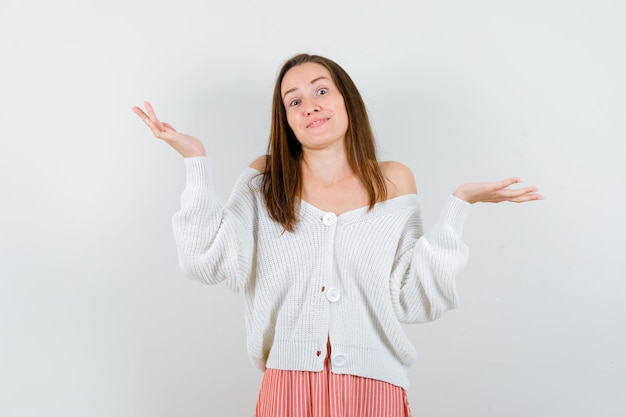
x=326 y=243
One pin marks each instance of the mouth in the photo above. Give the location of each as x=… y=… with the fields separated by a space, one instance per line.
x=317 y=122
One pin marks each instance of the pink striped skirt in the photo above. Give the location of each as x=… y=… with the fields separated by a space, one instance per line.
x=325 y=394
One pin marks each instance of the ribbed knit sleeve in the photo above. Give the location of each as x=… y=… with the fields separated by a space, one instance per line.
x=423 y=282
x=215 y=242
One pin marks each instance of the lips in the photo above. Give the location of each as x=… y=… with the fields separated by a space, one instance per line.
x=317 y=122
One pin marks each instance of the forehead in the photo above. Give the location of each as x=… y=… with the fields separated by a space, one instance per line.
x=302 y=75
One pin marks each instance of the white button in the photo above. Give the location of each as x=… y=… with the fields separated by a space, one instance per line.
x=339 y=360
x=333 y=295
x=329 y=219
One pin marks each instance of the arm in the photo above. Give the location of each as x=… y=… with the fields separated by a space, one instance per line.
x=423 y=281
x=214 y=242
x=423 y=284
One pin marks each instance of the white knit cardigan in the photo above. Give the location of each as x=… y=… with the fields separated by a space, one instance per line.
x=351 y=279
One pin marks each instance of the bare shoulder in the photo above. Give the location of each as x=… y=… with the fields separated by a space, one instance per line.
x=259 y=163
x=400 y=179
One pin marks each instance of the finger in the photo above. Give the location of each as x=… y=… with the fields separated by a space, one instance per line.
x=143 y=116
x=169 y=126
x=509 y=181
x=526 y=194
x=152 y=119
x=508 y=194
x=528 y=197
x=140 y=113
x=156 y=130
x=150 y=110
x=168 y=137
x=521 y=191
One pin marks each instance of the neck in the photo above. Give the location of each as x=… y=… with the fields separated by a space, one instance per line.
x=327 y=166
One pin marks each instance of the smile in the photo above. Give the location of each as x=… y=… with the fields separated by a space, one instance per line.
x=317 y=123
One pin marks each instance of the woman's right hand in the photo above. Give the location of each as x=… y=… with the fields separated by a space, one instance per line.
x=186 y=145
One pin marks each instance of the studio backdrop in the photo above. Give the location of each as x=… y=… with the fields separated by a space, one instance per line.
x=97 y=320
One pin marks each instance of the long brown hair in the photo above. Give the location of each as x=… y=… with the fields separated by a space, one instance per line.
x=282 y=179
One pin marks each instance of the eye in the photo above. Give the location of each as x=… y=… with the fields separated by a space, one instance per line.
x=322 y=91
x=294 y=102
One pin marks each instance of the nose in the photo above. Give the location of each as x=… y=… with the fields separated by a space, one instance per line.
x=312 y=108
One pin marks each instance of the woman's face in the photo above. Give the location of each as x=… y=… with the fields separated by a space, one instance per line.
x=315 y=108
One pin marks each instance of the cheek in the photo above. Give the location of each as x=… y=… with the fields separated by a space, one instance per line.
x=341 y=108
x=344 y=116
x=292 y=120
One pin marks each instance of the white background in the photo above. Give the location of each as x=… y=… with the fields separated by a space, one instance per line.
x=95 y=318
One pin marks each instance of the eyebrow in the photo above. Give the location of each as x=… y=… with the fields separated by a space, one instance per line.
x=312 y=82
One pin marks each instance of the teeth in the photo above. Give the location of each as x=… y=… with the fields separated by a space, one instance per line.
x=316 y=123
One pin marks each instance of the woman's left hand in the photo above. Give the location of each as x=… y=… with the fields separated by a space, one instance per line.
x=496 y=192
